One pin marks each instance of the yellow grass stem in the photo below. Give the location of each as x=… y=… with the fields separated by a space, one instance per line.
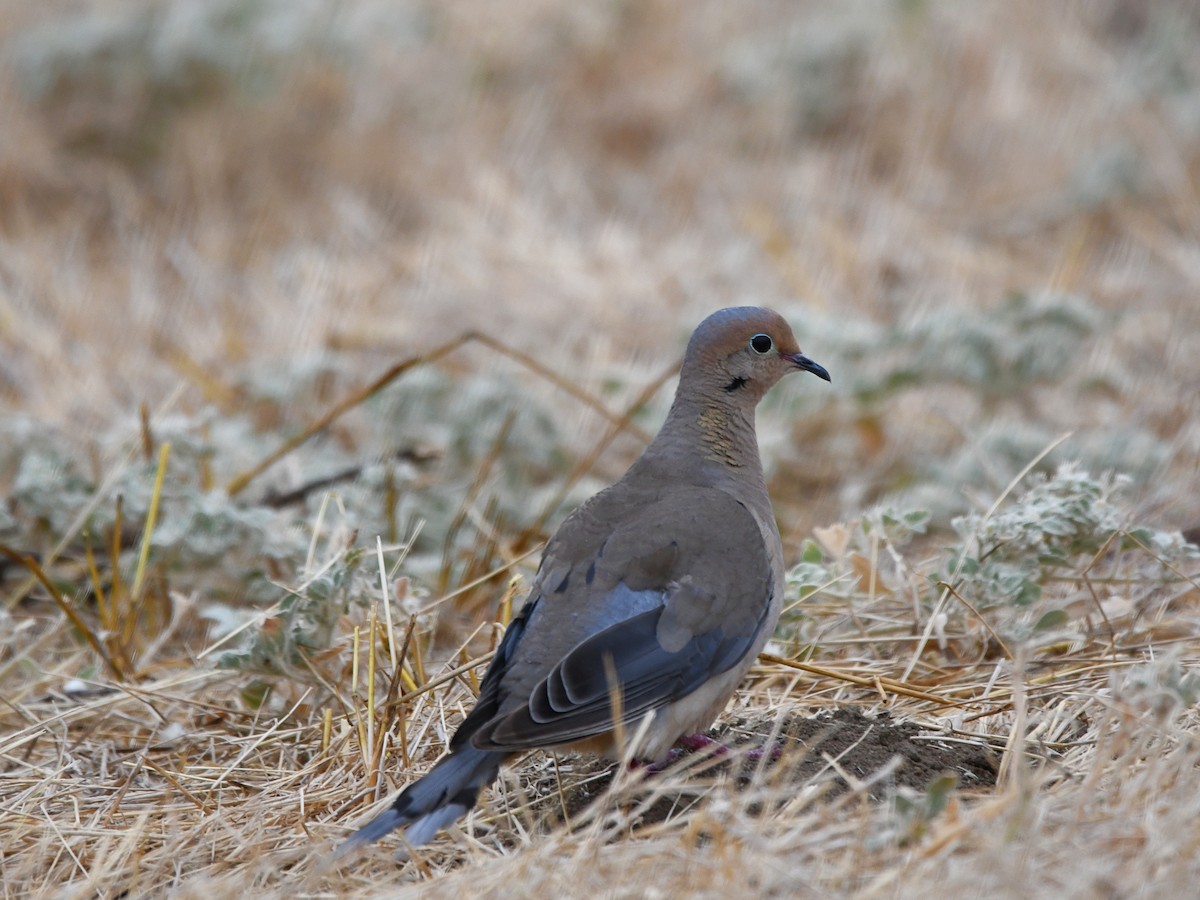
x=387 y=603
x=505 y=612
x=102 y=607
x=360 y=730
x=205 y=474
x=401 y=677
x=407 y=680
x=147 y=434
x=139 y=575
x=371 y=693
x=69 y=534
x=390 y=499
x=418 y=664
x=472 y=678
x=117 y=587
x=447 y=676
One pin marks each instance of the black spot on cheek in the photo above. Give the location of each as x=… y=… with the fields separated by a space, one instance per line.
x=591 y=572
x=738 y=382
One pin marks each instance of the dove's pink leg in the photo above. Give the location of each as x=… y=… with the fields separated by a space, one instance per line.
x=694 y=742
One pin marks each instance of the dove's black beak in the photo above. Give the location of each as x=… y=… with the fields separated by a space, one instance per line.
x=801 y=361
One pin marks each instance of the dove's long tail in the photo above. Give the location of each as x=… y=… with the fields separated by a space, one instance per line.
x=427 y=806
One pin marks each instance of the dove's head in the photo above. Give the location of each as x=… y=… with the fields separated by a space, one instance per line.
x=743 y=351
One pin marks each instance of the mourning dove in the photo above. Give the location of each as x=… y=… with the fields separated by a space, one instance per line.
x=660 y=590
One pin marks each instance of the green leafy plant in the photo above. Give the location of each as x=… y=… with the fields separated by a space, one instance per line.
x=303 y=623
x=913 y=812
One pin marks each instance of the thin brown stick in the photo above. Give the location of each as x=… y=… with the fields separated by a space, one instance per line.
x=146 y=434
x=558 y=381
x=873 y=682
x=238 y=484
x=475 y=582
x=390 y=707
x=446 y=676
x=89 y=635
x=984 y=622
x=205 y=808
x=620 y=423
x=1112 y=632
x=585 y=465
x=1182 y=576
x=482 y=472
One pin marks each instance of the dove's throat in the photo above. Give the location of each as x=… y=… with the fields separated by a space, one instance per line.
x=707 y=440
x=726 y=436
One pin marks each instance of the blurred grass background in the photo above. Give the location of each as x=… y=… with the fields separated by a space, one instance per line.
x=981 y=217
x=219 y=219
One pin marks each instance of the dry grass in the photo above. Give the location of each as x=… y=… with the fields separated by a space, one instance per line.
x=249 y=246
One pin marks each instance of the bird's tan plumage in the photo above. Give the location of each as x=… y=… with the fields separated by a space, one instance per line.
x=664 y=587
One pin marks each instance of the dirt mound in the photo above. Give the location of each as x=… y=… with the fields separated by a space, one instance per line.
x=861 y=746
x=832 y=750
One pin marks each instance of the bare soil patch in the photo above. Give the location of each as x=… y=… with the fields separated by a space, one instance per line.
x=828 y=753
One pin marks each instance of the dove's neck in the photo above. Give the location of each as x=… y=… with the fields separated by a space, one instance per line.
x=708 y=437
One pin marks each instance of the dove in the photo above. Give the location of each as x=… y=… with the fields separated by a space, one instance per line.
x=653 y=598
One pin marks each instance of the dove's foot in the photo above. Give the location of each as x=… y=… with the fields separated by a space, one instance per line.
x=693 y=743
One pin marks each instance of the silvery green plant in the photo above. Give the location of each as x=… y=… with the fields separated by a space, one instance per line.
x=999 y=351
x=1055 y=528
x=247 y=553
x=879 y=535
x=1159 y=688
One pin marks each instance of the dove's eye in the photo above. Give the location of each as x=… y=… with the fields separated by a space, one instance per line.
x=761 y=344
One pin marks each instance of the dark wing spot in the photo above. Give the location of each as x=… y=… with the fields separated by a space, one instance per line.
x=591 y=572
x=562 y=585
x=738 y=382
